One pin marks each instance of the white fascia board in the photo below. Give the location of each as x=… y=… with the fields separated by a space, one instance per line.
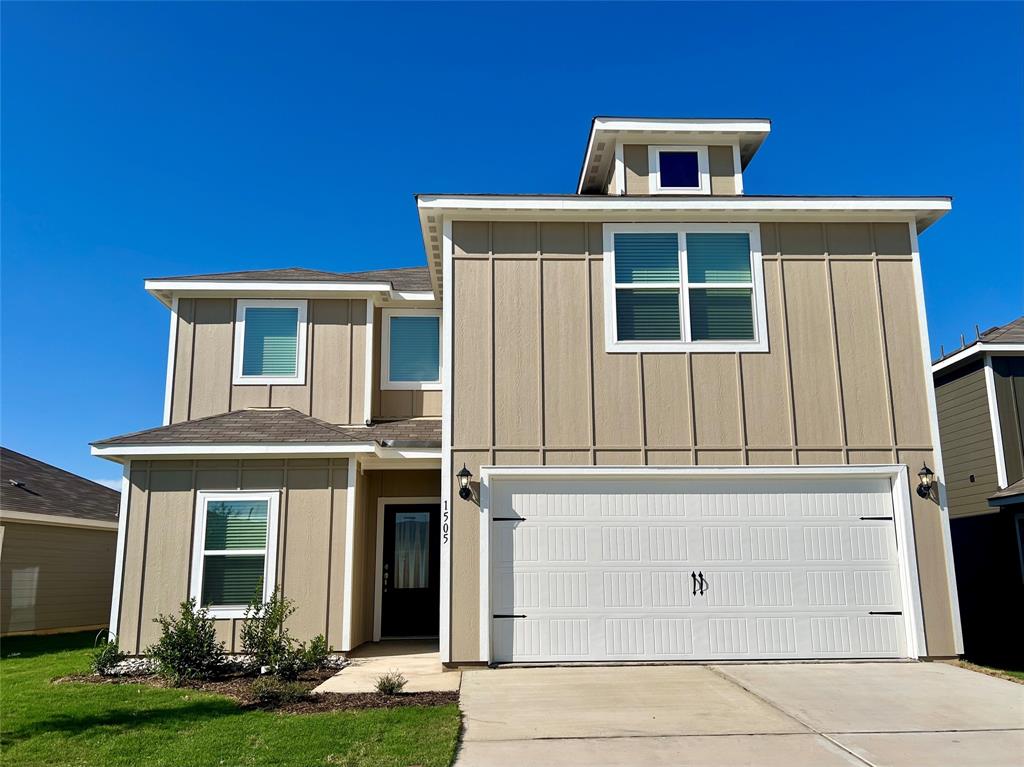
x=224 y=451
x=411 y=295
x=164 y=290
x=751 y=125
x=924 y=210
x=975 y=349
x=57 y=520
x=433 y=453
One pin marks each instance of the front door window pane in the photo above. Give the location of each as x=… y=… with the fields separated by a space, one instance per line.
x=412 y=550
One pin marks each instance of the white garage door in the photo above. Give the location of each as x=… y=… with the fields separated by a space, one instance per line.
x=613 y=569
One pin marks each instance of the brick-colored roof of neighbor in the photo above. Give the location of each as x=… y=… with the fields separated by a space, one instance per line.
x=405 y=278
x=278 y=426
x=1010 y=333
x=28 y=485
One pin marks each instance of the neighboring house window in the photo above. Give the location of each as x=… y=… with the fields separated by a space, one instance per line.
x=684 y=287
x=679 y=169
x=234 y=559
x=411 y=349
x=270 y=342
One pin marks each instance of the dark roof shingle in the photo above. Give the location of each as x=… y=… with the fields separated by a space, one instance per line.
x=404 y=278
x=1010 y=333
x=28 y=485
x=278 y=426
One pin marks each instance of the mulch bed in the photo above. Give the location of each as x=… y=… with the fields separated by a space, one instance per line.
x=240 y=688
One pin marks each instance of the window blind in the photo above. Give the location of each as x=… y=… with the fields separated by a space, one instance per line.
x=415 y=349
x=271 y=341
x=647 y=315
x=234 y=579
x=718 y=257
x=721 y=314
x=647 y=257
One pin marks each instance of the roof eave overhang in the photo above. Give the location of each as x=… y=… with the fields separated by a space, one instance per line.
x=123 y=453
x=748 y=133
x=972 y=351
x=166 y=290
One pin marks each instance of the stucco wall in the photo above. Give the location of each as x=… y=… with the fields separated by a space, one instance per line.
x=844 y=381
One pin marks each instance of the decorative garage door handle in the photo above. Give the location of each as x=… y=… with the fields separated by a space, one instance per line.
x=699 y=583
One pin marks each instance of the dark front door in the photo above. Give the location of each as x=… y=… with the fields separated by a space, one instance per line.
x=411 y=572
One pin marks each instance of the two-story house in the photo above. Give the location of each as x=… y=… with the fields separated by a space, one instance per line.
x=979 y=390
x=658 y=418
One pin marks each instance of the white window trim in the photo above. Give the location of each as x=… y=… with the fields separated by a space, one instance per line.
x=299 y=379
x=654 y=168
x=612 y=344
x=199 y=545
x=385 y=351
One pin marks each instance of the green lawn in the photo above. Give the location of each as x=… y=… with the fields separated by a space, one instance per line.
x=109 y=725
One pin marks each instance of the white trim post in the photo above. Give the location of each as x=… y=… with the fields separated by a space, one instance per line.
x=172 y=352
x=122 y=541
x=348 y=587
x=933 y=418
x=444 y=621
x=997 y=429
x=368 y=364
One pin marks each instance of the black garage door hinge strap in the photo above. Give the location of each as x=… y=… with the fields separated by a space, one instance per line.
x=508 y=519
x=883 y=612
x=508 y=616
x=879 y=518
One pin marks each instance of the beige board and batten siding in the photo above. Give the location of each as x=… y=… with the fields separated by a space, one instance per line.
x=334 y=388
x=844 y=381
x=398 y=403
x=159 y=530
x=968 y=450
x=54 y=577
x=636 y=165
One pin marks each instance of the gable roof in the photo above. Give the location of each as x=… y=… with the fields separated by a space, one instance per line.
x=1008 y=338
x=275 y=426
x=402 y=278
x=30 y=486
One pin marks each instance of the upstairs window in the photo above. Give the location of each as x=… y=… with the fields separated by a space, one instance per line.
x=270 y=342
x=684 y=287
x=411 y=349
x=679 y=170
x=234 y=559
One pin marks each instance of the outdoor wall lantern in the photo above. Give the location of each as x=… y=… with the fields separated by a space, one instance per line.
x=927 y=480
x=464 y=475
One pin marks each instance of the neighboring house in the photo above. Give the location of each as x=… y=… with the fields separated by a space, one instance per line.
x=980 y=395
x=686 y=415
x=57 y=536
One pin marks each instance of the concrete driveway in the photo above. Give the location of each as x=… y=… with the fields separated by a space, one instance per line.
x=819 y=714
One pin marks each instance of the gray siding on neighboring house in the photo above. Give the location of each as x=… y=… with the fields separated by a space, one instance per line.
x=1008 y=376
x=54 y=577
x=965 y=431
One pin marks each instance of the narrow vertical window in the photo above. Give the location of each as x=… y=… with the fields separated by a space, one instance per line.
x=270 y=342
x=411 y=349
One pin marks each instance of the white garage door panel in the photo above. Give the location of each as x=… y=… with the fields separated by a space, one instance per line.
x=604 y=569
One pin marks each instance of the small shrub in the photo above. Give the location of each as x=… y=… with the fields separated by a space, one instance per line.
x=317 y=651
x=291 y=664
x=106 y=657
x=264 y=636
x=391 y=683
x=271 y=691
x=188 y=649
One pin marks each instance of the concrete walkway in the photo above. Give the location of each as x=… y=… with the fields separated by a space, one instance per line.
x=824 y=714
x=418 y=661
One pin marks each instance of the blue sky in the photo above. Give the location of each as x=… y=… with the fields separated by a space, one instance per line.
x=157 y=139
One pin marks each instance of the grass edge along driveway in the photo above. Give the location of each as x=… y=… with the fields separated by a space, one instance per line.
x=112 y=725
